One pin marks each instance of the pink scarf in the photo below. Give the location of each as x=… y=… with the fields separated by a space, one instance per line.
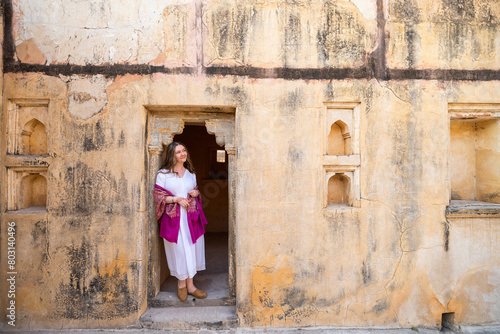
x=169 y=216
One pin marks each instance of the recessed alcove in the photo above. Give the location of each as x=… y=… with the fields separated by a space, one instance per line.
x=28 y=126
x=33 y=191
x=34 y=138
x=339 y=188
x=341 y=159
x=339 y=139
x=27 y=189
x=474 y=158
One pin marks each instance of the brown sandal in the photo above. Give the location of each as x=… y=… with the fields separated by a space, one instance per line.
x=200 y=294
x=182 y=293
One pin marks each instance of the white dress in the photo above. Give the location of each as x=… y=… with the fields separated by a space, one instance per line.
x=184 y=258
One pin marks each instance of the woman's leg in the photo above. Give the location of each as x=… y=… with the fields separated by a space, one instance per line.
x=181 y=284
x=192 y=290
x=190 y=285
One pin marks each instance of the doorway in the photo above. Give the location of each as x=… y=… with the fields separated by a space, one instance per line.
x=211 y=166
x=209 y=134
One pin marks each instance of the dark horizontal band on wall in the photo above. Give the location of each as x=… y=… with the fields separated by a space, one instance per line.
x=106 y=70
x=292 y=73
x=443 y=74
x=258 y=72
x=375 y=68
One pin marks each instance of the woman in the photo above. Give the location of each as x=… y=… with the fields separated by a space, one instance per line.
x=178 y=209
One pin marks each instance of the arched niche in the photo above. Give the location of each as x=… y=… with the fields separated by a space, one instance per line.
x=339 y=139
x=339 y=187
x=34 y=138
x=33 y=191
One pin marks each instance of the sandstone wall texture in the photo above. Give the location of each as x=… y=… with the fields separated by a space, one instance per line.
x=399 y=256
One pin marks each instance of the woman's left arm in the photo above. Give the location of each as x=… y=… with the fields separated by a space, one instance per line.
x=194 y=192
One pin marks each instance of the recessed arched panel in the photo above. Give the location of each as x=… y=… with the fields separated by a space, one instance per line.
x=33 y=191
x=339 y=186
x=339 y=139
x=34 y=138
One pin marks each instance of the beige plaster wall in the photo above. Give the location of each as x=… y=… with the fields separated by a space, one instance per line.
x=488 y=161
x=302 y=265
x=471 y=267
x=443 y=34
x=84 y=262
x=72 y=262
x=463 y=160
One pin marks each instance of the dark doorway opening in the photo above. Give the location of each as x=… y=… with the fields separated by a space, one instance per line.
x=211 y=165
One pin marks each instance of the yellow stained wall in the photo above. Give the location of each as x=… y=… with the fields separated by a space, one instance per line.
x=463 y=160
x=474 y=169
x=83 y=263
x=487 y=167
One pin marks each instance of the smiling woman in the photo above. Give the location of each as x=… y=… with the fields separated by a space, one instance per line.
x=179 y=210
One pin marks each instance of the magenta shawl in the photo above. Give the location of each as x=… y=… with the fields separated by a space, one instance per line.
x=169 y=216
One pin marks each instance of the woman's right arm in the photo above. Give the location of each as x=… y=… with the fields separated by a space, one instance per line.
x=160 y=180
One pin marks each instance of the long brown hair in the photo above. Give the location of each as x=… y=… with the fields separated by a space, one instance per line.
x=170 y=161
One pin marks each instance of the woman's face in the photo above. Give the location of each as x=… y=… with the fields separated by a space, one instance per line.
x=180 y=154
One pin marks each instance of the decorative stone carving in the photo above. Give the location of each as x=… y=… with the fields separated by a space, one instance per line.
x=155 y=150
x=163 y=132
x=223 y=130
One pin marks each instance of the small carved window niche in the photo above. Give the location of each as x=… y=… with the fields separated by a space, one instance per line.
x=27 y=158
x=33 y=191
x=27 y=121
x=27 y=189
x=339 y=139
x=34 y=138
x=341 y=159
x=474 y=161
x=339 y=190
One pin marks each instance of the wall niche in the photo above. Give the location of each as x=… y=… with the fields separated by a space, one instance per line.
x=27 y=126
x=474 y=163
x=34 y=138
x=339 y=190
x=27 y=156
x=27 y=189
x=339 y=139
x=341 y=159
x=33 y=191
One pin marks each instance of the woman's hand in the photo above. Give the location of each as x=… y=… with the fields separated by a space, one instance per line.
x=181 y=201
x=193 y=193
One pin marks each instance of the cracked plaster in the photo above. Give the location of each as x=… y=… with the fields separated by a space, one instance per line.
x=384 y=264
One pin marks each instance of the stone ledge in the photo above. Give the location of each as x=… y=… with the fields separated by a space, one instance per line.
x=342 y=160
x=30 y=210
x=193 y=318
x=22 y=161
x=472 y=209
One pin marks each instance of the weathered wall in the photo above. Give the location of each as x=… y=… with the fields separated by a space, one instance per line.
x=79 y=266
x=443 y=34
x=395 y=261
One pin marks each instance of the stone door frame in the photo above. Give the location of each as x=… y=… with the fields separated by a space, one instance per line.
x=164 y=122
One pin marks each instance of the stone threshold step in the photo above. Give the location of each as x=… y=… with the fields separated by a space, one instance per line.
x=169 y=299
x=190 y=318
